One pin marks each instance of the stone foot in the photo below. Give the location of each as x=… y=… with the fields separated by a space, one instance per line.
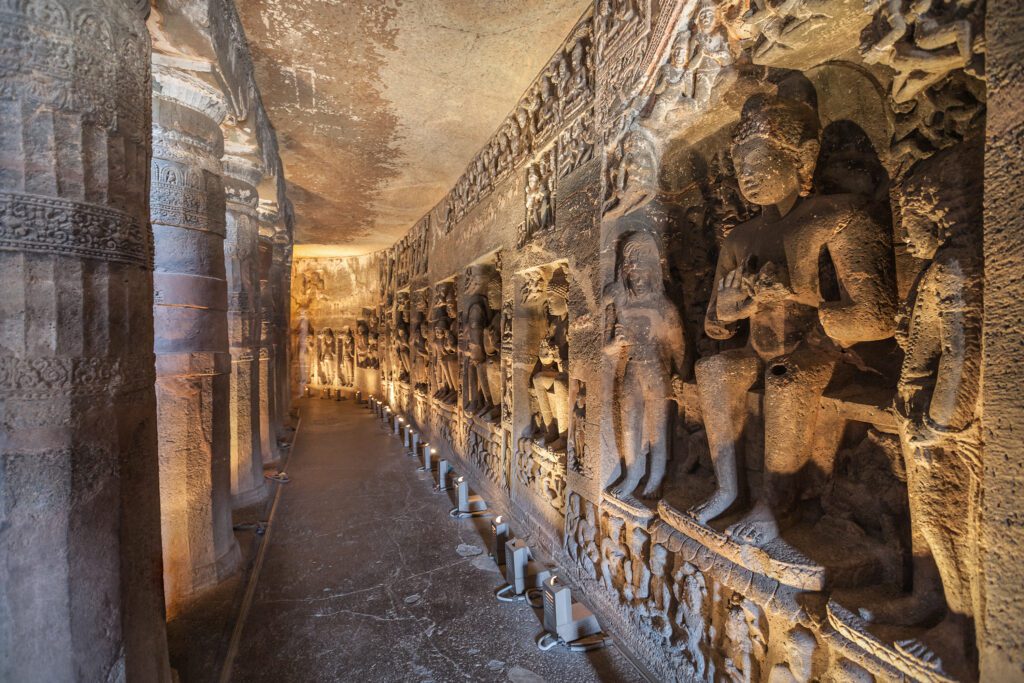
x=907 y=610
x=758 y=528
x=718 y=503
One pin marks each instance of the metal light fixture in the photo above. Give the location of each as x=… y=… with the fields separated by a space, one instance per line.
x=469 y=505
x=566 y=621
x=523 y=574
x=499 y=536
x=427 y=452
x=442 y=475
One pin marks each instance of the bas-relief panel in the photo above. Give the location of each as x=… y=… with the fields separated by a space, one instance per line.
x=777 y=341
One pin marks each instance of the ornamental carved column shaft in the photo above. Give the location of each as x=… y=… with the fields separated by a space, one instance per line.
x=241 y=249
x=193 y=363
x=80 y=586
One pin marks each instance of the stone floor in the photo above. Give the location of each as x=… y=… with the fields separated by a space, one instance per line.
x=366 y=577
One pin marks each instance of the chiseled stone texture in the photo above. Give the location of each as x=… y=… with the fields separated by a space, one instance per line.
x=193 y=363
x=1003 y=400
x=80 y=586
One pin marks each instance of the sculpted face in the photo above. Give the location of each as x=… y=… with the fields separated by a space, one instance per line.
x=638 y=279
x=767 y=174
x=922 y=235
x=705 y=20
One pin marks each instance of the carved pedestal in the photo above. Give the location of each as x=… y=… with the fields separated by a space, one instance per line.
x=79 y=503
x=242 y=260
x=193 y=365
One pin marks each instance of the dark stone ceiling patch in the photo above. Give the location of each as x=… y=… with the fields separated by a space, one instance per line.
x=379 y=106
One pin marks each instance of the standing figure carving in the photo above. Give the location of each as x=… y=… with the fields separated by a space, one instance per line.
x=445 y=344
x=306 y=359
x=645 y=343
x=693 y=618
x=550 y=379
x=402 y=337
x=768 y=275
x=492 y=339
x=348 y=356
x=479 y=322
x=539 y=207
x=362 y=347
x=328 y=358
x=938 y=408
x=613 y=556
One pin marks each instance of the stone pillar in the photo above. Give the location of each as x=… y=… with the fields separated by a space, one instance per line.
x=1000 y=636
x=268 y=432
x=280 y=283
x=80 y=585
x=241 y=178
x=192 y=359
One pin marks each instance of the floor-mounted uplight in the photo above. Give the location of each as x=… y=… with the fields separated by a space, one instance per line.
x=499 y=536
x=442 y=475
x=567 y=622
x=469 y=504
x=523 y=574
x=426 y=452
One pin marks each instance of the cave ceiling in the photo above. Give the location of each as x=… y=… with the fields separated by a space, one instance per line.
x=379 y=106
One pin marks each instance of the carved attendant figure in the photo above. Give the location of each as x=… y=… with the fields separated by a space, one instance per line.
x=348 y=357
x=538 y=202
x=647 y=348
x=938 y=407
x=613 y=556
x=768 y=274
x=550 y=380
x=402 y=337
x=478 y=321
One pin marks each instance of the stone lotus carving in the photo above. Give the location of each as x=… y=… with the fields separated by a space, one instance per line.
x=644 y=341
x=767 y=274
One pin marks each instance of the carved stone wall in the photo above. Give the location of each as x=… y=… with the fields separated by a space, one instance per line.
x=742 y=316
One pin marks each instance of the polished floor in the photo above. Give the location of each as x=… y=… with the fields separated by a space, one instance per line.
x=366 y=577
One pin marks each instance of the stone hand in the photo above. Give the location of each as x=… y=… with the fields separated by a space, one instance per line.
x=735 y=296
x=678 y=387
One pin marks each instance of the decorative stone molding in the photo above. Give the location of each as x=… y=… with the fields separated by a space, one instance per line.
x=58 y=226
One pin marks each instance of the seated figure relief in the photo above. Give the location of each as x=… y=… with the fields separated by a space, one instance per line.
x=767 y=276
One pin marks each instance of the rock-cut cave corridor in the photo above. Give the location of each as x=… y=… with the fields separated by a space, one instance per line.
x=546 y=340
